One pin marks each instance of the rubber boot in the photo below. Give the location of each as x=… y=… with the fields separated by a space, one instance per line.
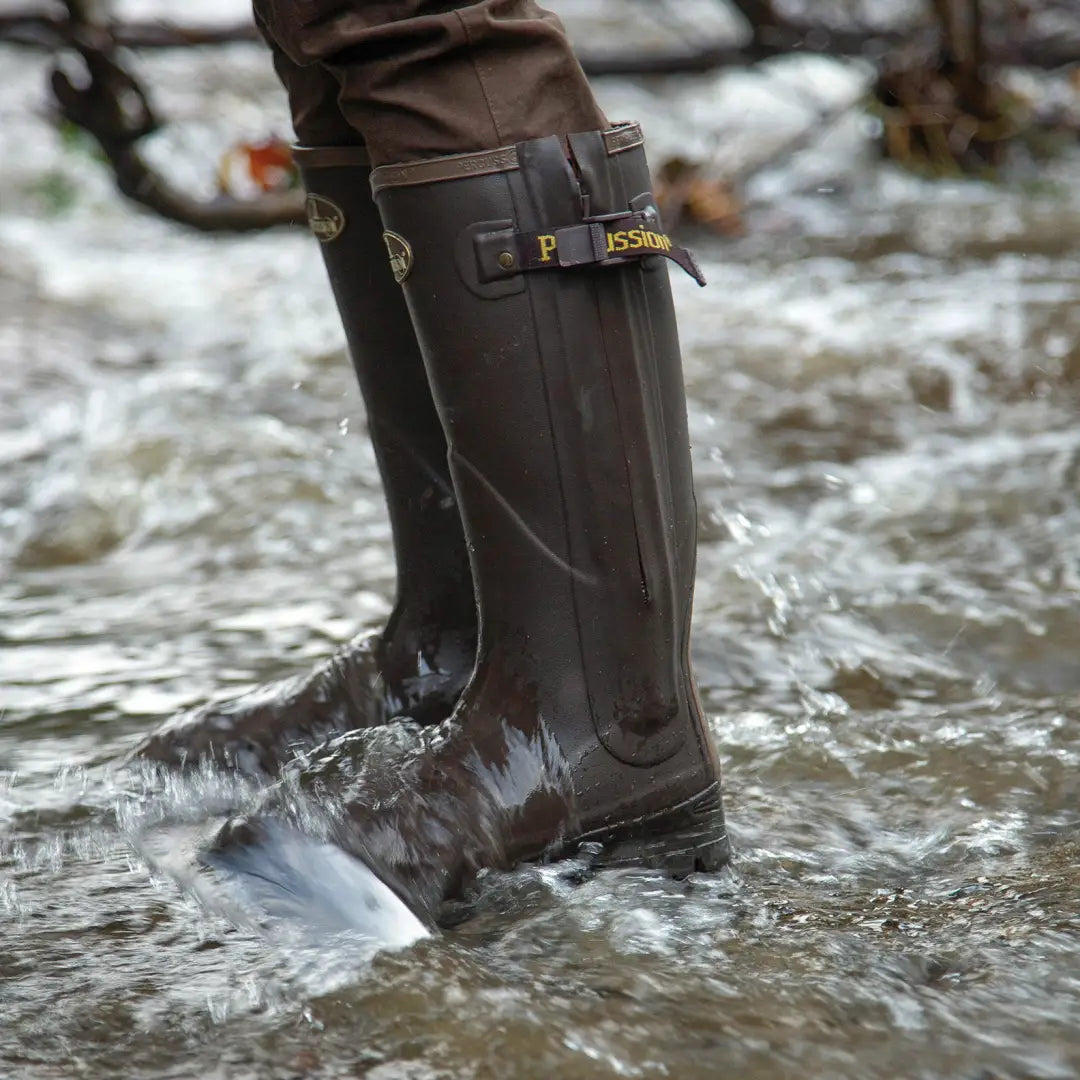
x=420 y=662
x=545 y=317
x=427 y=649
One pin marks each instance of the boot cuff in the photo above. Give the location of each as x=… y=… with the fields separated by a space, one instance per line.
x=484 y=162
x=315 y=157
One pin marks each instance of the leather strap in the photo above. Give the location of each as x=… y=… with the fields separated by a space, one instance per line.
x=606 y=241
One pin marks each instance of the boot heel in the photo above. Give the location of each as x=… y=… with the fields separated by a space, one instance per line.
x=687 y=838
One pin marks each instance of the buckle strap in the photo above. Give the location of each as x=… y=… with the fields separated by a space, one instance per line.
x=604 y=241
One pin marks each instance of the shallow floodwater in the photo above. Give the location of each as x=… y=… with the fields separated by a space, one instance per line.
x=884 y=379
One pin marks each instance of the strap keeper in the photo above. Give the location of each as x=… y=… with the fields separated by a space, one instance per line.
x=577 y=245
x=599 y=240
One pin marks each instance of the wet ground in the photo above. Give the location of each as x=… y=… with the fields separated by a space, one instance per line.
x=884 y=378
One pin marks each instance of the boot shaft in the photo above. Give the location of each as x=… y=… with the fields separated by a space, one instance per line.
x=560 y=392
x=430 y=638
x=408 y=439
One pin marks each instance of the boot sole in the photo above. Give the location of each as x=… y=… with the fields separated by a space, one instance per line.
x=686 y=838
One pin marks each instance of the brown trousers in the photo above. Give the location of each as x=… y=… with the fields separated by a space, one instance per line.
x=415 y=79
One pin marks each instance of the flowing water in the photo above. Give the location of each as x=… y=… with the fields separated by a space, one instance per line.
x=884 y=378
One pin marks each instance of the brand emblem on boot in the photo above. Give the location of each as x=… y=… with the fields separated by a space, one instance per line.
x=401 y=257
x=325 y=218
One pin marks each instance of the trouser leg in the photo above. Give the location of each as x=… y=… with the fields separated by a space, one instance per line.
x=423 y=78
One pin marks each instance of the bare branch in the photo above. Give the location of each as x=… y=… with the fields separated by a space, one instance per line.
x=113 y=107
x=673 y=62
x=143 y=185
x=162 y=35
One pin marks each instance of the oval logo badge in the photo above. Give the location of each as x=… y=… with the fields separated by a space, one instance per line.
x=401 y=257
x=325 y=218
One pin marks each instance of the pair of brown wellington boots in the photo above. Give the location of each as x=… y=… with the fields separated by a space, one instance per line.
x=562 y=536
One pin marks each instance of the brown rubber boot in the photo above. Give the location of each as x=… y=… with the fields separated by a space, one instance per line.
x=419 y=664
x=551 y=346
